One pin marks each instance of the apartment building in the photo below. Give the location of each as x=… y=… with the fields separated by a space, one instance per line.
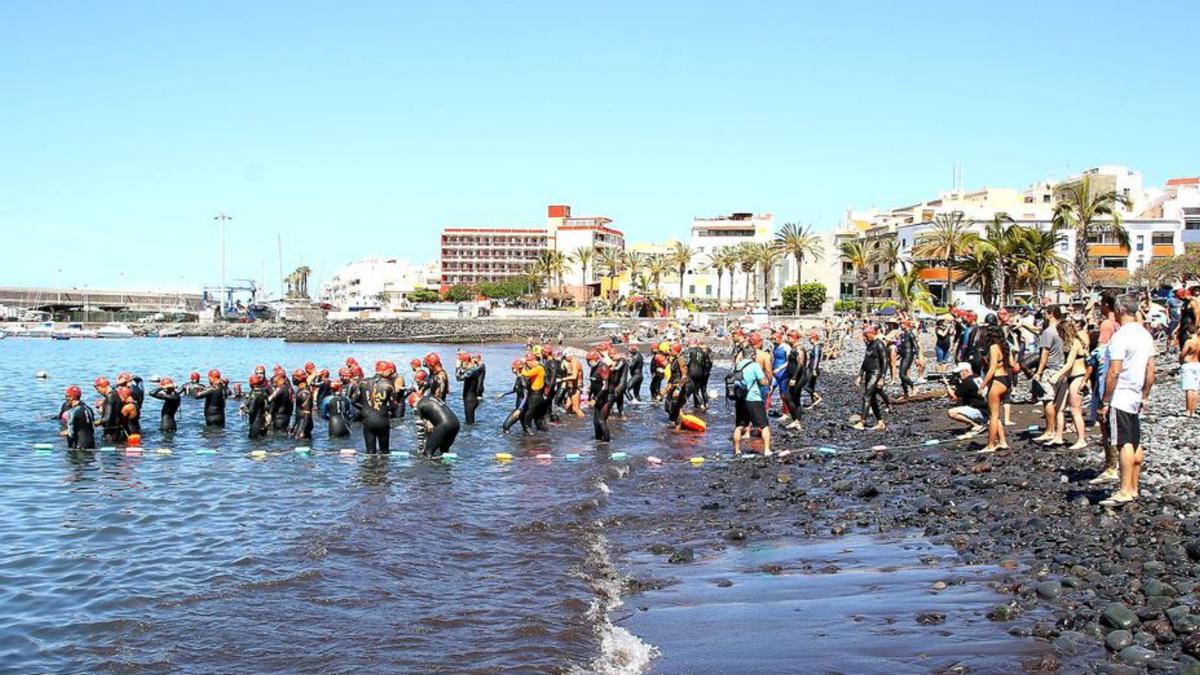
x=377 y=283
x=473 y=255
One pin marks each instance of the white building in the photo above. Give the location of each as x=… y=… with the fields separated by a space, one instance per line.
x=570 y=233
x=378 y=283
x=708 y=236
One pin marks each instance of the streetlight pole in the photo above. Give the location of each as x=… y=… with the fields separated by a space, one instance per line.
x=224 y=292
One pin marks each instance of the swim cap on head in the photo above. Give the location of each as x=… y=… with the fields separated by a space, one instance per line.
x=814 y=335
x=257 y=380
x=324 y=372
x=74 y=392
x=432 y=359
x=100 y=382
x=299 y=375
x=664 y=347
x=870 y=330
x=518 y=363
x=381 y=367
x=415 y=363
x=214 y=374
x=335 y=386
x=756 y=338
x=676 y=348
x=421 y=376
x=963 y=366
x=166 y=382
x=633 y=348
x=194 y=377
x=260 y=369
x=344 y=373
x=277 y=369
x=463 y=356
x=593 y=356
x=310 y=366
x=357 y=371
x=991 y=320
x=477 y=356
x=124 y=377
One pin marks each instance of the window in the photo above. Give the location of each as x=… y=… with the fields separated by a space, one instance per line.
x=1141 y=242
x=691 y=289
x=708 y=290
x=1114 y=263
x=847 y=268
x=1163 y=239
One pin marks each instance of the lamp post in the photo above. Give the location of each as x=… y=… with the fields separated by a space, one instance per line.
x=222 y=217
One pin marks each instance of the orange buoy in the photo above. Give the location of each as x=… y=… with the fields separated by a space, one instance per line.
x=134 y=440
x=692 y=423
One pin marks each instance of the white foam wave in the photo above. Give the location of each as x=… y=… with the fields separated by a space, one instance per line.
x=621 y=652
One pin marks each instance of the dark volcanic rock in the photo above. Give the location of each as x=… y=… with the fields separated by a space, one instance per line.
x=931 y=618
x=683 y=555
x=1118 y=640
x=1119 y=616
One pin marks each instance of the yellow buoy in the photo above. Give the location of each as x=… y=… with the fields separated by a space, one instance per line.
x=258 y=454
x=697 y=461
x=162 y=451
x=503 y=456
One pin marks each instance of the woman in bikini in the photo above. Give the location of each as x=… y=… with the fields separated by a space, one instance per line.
x=1069 y=382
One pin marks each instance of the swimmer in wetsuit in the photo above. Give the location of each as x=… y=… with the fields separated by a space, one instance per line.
x=437 y=425
x=281 y=401
x=637 y=366
x=302 y=425
x=214 y=400
x=80 y=421
x=658 y=370
x=110 y=412
x=439 y=380
x=469 y=372
x=166 y=392
x=377 y=401
x=130 y=415
x=680 y=387
x=699 y=364
x=255 y=406
x=535 y=374
x=193 y=385
x=338 y=409
x=520 y=390
x=875 y=364
x=601 y=394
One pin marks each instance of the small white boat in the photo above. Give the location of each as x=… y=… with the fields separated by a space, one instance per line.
x=43 y=330
x=72 y=330
x=170 y=333
x=114 y=331
x=16 y=330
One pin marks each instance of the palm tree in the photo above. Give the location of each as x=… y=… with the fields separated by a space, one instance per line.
x=799 y=242
x=999 y=245
x=950 y=237
x=891 y=259
x=978 y=269
x=747 y=258
x=720 y=260
x=611 y=259
x=911 y=292
x=766 y=255
x=635 y=262
x=681 y=256
x=583 y=255
x=659 y=266
x=549 y=265
x=855 y=253
x=1089 y=214
x=1037 y=259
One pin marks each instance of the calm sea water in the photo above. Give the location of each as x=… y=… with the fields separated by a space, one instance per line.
x=321 y=563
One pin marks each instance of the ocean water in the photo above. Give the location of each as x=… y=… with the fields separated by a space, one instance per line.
x=320 y=562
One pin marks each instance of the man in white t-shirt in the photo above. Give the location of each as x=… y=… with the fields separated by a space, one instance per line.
x=1126 y=394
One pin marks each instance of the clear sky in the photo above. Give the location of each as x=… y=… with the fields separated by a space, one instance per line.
x=361 y=128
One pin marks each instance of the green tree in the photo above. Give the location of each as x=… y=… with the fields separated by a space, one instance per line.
x=950 y=237
x=720 y=260
x=424 y=295
x=657 y=267
x=747 y=257
x=681 y=256
x=911 y=292
x=611 y=260
x=460 y=293
x=1037 y=259
x=766 y=255
x=801 y=244
x=1089 y=213
x=855 y=253
x=636 y=263
x=583 y=255
x=808 y=297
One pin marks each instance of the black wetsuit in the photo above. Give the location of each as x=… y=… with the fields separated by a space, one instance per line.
x=470 y=377
x=110 y=418
x=280 y=405
x=170 y=406
x=438 y=385
x=214 y=404
x=339 y=411
x=377 y=401
x=637 y=366
x=445 y=426
x=619 y=381
x=190 y=389
x=874 y=365
x=256 y=412
x=794 y=381
x=132 y=423
x=812 y=370
x=682 y=388
x=658 y=364
x=137 y=389
x=81 y=427
x=907 y=351
x=302 y=425
x=601 y=393
x=520 y=390
x=553 y=371
x=698 y=365
x=536 y=401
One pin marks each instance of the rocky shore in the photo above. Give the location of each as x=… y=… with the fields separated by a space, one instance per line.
x=1107 y=590
x=478 y=330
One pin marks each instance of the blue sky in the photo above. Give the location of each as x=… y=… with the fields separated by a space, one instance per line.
x=361 y=128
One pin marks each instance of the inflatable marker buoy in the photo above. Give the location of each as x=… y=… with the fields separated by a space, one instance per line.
x=573 y=457
x=206 y=451
x=108 y=448
x=932 y=441
x=133 y=452
x=43 y=446
x=304 y=450
x=617 y=456
x=827 y=451
x=347 y=452
x=879 y=448
x=258 y=454
x=696 y=461
x=163 y=451
x=449 y=456
x=543 y=456
x=1033 y=427
x=503 y=457
x=134 y=440
x=653 y=460
x=692 y=423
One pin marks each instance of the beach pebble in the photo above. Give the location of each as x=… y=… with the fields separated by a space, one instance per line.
x=1136 y=656
x=682 y=555
x=931 y=618
x=1117 y=615
x=1118 y=640
x=939 y=585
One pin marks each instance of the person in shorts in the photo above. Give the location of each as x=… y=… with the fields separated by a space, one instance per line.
x=1189 y=370
x=1050 y=360
x=1126 y=395
x=751 y=411
x=972 y=407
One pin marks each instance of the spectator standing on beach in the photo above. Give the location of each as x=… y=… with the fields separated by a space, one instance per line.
x=1108 y=326
x=1050 y=360
x=1127 y=393
x=749 y=408
x=943 y=342
x=1189 y=371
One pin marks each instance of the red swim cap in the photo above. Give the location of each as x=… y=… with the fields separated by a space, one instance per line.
x=123 y=377
x=257 y=380
x=166 y=382
x=100 y=382
x=194 y=377
x=814 y=335
x=415 y=363
x=335 y=386
x=518 y=363
x=351 y=362
x=357 y=371
x=676 y=348
x=432 y=359
x=381 y=367
x=463 y=356
x=593 y=356
x=310 y=366
x=421 y=376
x=214 y=374
x=74 y=392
